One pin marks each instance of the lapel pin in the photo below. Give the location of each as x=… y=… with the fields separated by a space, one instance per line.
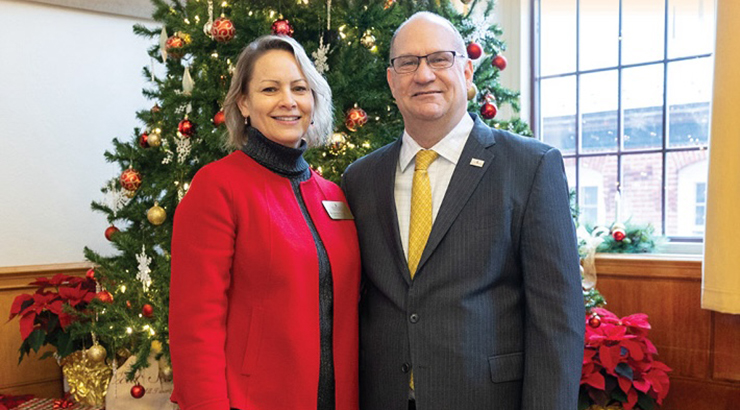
x=477 y=162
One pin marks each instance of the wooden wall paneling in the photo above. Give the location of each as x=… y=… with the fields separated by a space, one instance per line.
x=680 y=329
x=42 y=378
x=727 y=347
x=693 y=394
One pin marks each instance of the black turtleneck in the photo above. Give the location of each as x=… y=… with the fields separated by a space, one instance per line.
x=289 y=163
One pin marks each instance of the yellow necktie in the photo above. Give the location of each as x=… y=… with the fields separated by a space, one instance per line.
x=420 y=223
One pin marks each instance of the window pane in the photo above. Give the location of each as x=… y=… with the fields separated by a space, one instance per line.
x=599 y=34
x=598 y=185
x=570 y=172
x=689 y=94
x=557 y=36
x=690 y=27
x=643 y=24
x=642 y=192
x=642 y=102
x=558 y=108
x=686 y=178
x=599 y=103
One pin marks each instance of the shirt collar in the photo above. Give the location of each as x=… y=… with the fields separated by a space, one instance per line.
x=450 y=147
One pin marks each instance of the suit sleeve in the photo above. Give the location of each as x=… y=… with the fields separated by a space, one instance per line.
x=554 y=319
x=202 y=252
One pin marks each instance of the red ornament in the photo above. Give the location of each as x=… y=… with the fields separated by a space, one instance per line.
x=104 y=296
x=488 y=110
x=594 y=321
x=143 y=140
x=499 y=62
x=147 y=310
x=219 y=118
x=130 y=179
x=474 y=51
x=186 y=127
x=619 y=231
x=173 y=46
x=128 y=304
x=155 y=109
x=137 y=391
x=356 y=118
x=223 y=30
x=282 y=27
x=90 y=274
x=619 y=235
x=109 y=231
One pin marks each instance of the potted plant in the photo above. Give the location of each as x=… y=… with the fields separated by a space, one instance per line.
x=45 y=314
x=619 y=367
x=45 y=317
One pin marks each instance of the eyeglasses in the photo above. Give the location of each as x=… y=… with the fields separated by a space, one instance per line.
x=438 y=60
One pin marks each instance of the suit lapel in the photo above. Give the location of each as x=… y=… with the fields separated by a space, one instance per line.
x=464 y=181
x=387 y=216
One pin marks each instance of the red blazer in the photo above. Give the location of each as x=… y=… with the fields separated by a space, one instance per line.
x=244 y=292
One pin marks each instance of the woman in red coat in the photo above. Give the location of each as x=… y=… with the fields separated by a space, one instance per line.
x=265 y=260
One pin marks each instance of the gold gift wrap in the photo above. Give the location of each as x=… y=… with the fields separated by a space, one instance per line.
x=88 y=380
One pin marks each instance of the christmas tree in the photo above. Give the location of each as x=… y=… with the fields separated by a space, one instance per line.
x=198 y=44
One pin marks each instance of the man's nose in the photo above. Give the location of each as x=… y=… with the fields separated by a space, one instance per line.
x=424 y=73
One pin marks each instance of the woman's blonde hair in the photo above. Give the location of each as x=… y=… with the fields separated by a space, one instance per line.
x=323 y=114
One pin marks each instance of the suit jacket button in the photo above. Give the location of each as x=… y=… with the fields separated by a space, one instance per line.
x=405 y=367
x=414 y=318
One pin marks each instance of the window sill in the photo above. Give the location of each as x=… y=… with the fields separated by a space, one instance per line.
x=649 y=265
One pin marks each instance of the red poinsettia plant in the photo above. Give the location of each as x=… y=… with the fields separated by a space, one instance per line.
x=45 y=314
x=619 y=365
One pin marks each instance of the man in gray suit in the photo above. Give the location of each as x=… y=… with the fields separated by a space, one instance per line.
x=487 y=313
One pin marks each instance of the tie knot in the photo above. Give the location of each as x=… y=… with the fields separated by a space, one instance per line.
x=424 y=158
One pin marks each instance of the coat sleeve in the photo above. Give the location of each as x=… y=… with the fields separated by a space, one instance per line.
x=202 y=252
x=554 y=317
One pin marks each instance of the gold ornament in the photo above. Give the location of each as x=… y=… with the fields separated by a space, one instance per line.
x=122 y=355
x=472 y=92
x=156 y=347
x=368 y=40
x=96 y=353
x=156 y=214
x=154 y=140
x=184 y=36
x=88 y=380
x=129 y=194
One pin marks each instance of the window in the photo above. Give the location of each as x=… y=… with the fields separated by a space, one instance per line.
x=623 y=89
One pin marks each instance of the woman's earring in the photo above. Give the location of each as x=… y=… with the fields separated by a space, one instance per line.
x=247 y=122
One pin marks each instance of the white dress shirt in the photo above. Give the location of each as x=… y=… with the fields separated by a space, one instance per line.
x=440 y=172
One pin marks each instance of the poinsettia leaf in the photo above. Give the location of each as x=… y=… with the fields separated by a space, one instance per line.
x=36 y=339
x=619 y=396
x=595 y=380
x=625 y=371
x=584 y=401
x=599 y=397
x=635 y=349
x=17 y=306
x=27 y=324
x=609 y=356
x=46 y=355
x=624 y=384
x=65 y=344
x=642 y=385
x=631 y=400
x=24 y=350
x=646 y=402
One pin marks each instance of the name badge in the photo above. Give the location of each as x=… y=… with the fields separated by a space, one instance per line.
x=337 y=210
